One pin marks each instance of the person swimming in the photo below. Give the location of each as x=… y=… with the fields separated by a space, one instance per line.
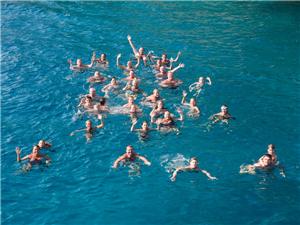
x=102 y=60
x=170 y=82
x=222 y=116
x=192 y=167
x=198 y=86
x=44 y=144
x=143 y=131
x=130 y=156
x=86 y=102
x=154 y=97
x=157 y=110
x=168 y=122
x=138 y=54
x=194 y=110
x=264 y=163
x=112 y=86
x=89 y=129
x=97 y=78
x=34 y=158
x=163 y=71
x=129 y=67
x=79 y=66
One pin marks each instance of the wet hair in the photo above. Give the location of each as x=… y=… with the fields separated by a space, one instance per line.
x=102 y=101
x=89 y=97
x=267 y=155
x=271 y=146
x=194 y=158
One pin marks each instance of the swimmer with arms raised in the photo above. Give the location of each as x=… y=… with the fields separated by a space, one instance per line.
x=192 y=167
x=194 y=110
x=170 y=82
x=223 y=116
x=102 y=60
x=130 y=156
x=138 y=54
x=79 y=65
x=112 y=86
x=34 y=158
x=128 y=66
x=198 y=86
x=143 y=131
x=168 y=122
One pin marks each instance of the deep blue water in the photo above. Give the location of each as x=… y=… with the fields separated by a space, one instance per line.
x=250 y=50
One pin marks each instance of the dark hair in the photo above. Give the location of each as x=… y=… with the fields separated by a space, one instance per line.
x=267 y=155
x=271 y=146
x=194 y=158
x=89 y=97
x=102 y=101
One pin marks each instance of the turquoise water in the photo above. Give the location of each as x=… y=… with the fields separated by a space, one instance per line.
x=250 y=50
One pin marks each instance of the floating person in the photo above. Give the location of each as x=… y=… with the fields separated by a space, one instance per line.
x=170 y=82
x=129 y=67
x=132 y=89
x=44 y=144
x=192 y=167
x=92 y=93
x=86 y=102
x=198 y=86
x=162 y=72
x=130 y=102
x=97 y=78
x=34 y=158
x=131 y=76
x=89 y=129
x=111 y=87
x=164 y=59
x=222 y=116
x=157 y=110
x=271 y=151
x=264 y=163
x=79 y=66
x=102 y=60
x=168 y=122
x=154 y=97
x=143 y=131
x=194 y=110
x=129 y=157
x=138 y=54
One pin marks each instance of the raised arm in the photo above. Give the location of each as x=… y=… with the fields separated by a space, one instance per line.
x=144 y=160
x=180 y=114
x=208 y=80
x=133 y=125
x=208 y=175
x=118 y=62
x=18 y=152
x=101 y=125
x=137 y=63
x=71 y=64
x=177 y=57
x=131 y=44
x=184 y=94
x=181 y=65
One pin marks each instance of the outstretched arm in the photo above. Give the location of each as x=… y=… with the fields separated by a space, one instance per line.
x=180 y=115
x=181 y=65
x=184 y=94
x=208 y=175
x=131 y=44
x=144 y=160
x=75 y=131
x=174 y=175
x=116 y=163
x=118 y=62
x=208 y=80
x=177 y=57
x=133 y=125
x=101 y=125
x=137 y=63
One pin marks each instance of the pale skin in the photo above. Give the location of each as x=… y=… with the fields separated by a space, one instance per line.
x=129 y=65
x=264 y=162
x=168 y=121
x=44 y=144
x=157 y=110
x=192 y=104
x=144 y=129
x=130 y=155
x=222 y=116
x=193 y=166
x=154 y=97
x=97 y=78
x=113 y=85
x=271 y=151
x=139 y=54
x=170 y=81
x=79 y=65
x=102 y=60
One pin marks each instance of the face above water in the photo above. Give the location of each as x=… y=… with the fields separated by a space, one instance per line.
x=193 y=163
x=88 y=124
x=129 y=151
x=79 y=62
x=266 y=161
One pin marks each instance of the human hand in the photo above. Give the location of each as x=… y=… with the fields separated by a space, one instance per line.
x=18 y=150
x=184 y=93
x=119 y=55
x=129 y=37
x=181 y=65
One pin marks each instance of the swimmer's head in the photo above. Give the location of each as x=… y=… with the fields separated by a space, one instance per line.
x=160 y=104
x=201 y=79
x=156 y=93
x=103 y=57
x=164 y=56
x=129 y=64
x=224 y=108
x=167 y=115
x=130 y=99
x=266 y=160
x=92 y=92
x=271 y=149
x=170 y=75
x=133 y=108
x=131 y=74
x=35 y=149
x=193 y=162
x=193 y=102
x=88 y=124
x=162 y=69
x=42 y=143
x=113 y=80
x=102 y=101
x=129 y=151
x=97 y=74
x=79 y=62
x=88 y=99
x=144 y=125
x=141 y=51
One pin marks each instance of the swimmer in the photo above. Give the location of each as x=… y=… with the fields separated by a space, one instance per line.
x=133 y=112
x=170 y=82
x=130 y=102
x=86 y=102
x=44 y=144
x=79 y=65
x=198 y=86
x=99 y=108
x=130 y=156
x=163 y=71
x=157 y=110
x=92 y=93
x=192 y=167
x=34 y=158
x=271 y=151
x=102 y=60
x=265 y=163
x=223 y=116
x=89 y=129
x=132 y=88
x=154 y=97
x=97 y=78
x=140 y=54
x=194 y=110
x=168 y=122
x=112 y=86
x=128 y=66
x=131 y=76
x=143 y=131
x=166 y=61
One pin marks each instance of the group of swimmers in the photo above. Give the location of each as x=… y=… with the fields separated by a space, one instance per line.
x=162 y=119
